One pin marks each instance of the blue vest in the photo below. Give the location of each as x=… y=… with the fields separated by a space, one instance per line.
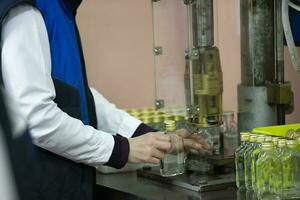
x=61 y=178
x=59 y=17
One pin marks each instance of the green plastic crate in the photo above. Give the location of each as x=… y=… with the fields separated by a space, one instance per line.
x=279 y=131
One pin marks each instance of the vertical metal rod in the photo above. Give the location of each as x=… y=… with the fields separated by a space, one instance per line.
x=257 y=42
x=191 y=41
x=205 y=23
x=279 y=55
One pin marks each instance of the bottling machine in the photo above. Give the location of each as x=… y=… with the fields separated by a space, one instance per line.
x=187 y=60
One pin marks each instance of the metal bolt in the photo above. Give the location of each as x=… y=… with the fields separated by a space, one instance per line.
x=158 y=51
x=187 y=2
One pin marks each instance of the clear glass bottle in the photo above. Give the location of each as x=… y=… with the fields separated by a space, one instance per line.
x=248 y=161
x=180 y=121
x=268 y=173
x=239 y=161
x=282 y=154
x=173 y=163
x=298 y=145
x=158 y=122
x=291 y=134
x=230 y=134
x=147 y=120
x=213 y=133
x=275 y=141
x=268 y=138
x=254 y=157
x=290 y=160
x=207 y=135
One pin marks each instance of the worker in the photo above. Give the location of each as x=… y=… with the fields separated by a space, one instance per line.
x=17 y=154
x=73 y=125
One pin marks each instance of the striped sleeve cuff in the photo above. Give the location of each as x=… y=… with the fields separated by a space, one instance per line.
x=142 y=129
x=119 y=156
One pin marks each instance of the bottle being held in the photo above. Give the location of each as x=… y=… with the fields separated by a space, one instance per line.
x=173 y=163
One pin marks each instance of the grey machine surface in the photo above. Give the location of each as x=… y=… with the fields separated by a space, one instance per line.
x=263 y=95
x=143 y=188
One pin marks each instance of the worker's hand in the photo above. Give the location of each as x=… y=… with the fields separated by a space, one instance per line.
x=193 y=141
x=149 y=148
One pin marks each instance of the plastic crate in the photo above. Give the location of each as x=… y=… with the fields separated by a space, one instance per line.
x=279 y=131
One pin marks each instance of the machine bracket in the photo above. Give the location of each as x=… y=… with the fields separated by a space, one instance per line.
x=187 y=2
x=281 y=94
x=159 y=104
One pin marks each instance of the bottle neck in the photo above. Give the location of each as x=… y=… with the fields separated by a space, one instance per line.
x=292 y=147
x=268 y=150
x=244 y=142
x=170 y=130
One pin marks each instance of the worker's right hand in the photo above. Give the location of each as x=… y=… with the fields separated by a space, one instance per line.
x=149 y=148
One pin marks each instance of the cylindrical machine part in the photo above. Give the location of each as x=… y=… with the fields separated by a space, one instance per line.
x=258 y=61
x=203 y=77
x=279 y=36
x=254 y=110
x=205 y=23
x=257 y=42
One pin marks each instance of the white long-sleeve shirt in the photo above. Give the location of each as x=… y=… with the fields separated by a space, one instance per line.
x=26 y=68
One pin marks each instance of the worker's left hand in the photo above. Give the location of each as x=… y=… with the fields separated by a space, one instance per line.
x=193 y=141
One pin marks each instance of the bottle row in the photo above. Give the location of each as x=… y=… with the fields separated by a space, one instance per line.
x=268 y=167
x=156 y=119
x=223 y=139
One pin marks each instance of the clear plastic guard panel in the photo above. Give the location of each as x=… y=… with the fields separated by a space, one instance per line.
x=170 y=44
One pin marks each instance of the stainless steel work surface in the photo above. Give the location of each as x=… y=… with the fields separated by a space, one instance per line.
x=141 y=187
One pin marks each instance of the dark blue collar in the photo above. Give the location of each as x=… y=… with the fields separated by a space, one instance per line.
x=71 y=6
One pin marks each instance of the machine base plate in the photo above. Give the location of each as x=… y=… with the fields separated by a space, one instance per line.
x=192 y=181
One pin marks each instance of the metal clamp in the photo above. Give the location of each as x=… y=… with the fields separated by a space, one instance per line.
x=280 y=93
x=158 y=51
x=159 y=104
x=194 y=54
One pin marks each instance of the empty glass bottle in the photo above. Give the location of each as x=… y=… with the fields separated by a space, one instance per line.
x=180 y=121
x=268 y=173
x=230 y=134
x=158 y=122
x=254 y=157
x=147 y=120
x=173 y=163
x=248 y=161
x=239 y=161
x=211 y=136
